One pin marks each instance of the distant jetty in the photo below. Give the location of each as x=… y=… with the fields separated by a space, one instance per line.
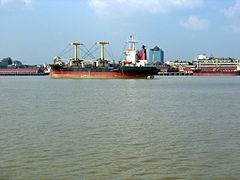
x=9 y=67
x=203 y=65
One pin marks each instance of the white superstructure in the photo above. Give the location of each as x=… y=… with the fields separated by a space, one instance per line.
x=132 y=56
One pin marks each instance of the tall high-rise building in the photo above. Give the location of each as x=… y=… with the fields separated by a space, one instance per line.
x=156 y=55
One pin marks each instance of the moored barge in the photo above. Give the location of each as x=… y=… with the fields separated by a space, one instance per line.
x=27 y=71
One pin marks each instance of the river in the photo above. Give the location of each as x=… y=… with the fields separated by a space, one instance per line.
x=165 y=128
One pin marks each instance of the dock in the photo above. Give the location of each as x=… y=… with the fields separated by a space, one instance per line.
x=175 y=74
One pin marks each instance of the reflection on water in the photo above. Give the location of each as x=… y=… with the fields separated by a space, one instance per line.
x=166 y=128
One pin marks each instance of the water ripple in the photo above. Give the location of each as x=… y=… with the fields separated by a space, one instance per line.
x=169 y=128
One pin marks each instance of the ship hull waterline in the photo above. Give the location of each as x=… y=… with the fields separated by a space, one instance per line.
x=99 y=75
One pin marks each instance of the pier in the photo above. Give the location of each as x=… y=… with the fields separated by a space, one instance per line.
x=175 y=74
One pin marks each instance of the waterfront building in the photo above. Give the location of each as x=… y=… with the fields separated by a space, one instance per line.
x=156 y=55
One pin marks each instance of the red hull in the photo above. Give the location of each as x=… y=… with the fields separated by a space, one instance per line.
x=97 y=75
x=21 y=71
x=216 y=73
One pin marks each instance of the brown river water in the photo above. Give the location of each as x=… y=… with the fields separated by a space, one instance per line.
x=165 y=128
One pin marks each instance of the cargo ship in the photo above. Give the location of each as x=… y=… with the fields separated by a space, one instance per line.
x=134 y=65
x=210 y=66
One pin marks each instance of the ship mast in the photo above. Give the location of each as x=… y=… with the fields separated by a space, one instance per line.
x=198 y=64
x=102 y=43
x=76 y=44
x=131 y=43
x=217 y=67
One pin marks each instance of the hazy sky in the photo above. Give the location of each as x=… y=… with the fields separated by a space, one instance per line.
x=34 y=31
